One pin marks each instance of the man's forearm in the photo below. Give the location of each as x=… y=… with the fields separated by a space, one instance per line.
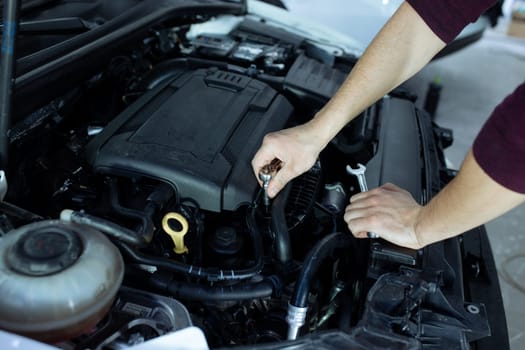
x=469 y=200
x=399 y=50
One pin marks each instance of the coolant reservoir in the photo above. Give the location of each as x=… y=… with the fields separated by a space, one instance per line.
x=57 y=279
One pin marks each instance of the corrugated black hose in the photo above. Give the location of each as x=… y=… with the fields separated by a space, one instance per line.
x=165 y=283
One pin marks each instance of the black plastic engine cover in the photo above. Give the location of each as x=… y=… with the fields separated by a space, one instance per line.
x=399 y=153
x=197 y=132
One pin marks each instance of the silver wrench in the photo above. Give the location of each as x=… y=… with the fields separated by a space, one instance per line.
x=361 y=179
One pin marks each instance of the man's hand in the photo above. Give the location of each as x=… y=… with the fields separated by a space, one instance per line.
x=472 y=198
x=389 y=211
x=402 y=47
x=297 y=148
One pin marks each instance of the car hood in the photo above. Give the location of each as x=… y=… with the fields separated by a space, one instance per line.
x=302 y=25
x=363 y=18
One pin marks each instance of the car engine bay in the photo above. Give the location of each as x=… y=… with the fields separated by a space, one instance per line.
x=132 y=210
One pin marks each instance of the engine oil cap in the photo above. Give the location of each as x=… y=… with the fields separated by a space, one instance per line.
x=44 y=251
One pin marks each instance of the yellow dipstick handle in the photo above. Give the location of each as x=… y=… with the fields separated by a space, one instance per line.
x=176 y=236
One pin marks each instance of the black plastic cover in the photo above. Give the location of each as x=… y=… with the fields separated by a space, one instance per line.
x=313 y=77
x=197 y=132
x=398 y=158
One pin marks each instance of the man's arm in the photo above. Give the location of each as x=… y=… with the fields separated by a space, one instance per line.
x=469 y=200
x=401 y=48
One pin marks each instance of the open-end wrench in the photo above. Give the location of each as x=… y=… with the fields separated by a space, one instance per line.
x=361 y=179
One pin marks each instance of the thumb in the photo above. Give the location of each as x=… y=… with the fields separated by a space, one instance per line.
x=279 y=180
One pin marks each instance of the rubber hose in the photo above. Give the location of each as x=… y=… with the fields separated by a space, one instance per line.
x=240 y=291
x=283 y=250
x=19 y=213
x=211 y=274
x=330 y=247
x=110 y=228
x=243 y=290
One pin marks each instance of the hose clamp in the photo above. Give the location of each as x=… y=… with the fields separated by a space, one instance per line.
x=295 y=318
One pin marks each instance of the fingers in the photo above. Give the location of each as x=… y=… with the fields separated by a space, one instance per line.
x=360 y=234
x=294 y=147
x=368 y=211
x=377 y=195
x=389 y=211
x=263 y=156
x=363 y=220
x=279 y=180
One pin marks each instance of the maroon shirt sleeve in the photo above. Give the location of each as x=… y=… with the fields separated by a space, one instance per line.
x=500 y=146
x=447 y=18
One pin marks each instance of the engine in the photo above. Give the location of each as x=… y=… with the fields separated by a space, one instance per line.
x=147 y=162
x=198 y=132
